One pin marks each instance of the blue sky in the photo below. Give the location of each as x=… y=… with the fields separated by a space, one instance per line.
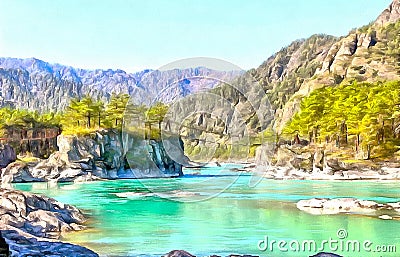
x=133 y=35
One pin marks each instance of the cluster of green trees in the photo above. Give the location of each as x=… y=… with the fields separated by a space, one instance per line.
x=364 y=115
x=86 y=114
x=24 y=119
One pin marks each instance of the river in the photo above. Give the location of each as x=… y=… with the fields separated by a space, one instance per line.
x=219 y=211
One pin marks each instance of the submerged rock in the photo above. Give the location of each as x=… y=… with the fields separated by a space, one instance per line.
x=182 y=253
x=178 y=253
x=323 y=254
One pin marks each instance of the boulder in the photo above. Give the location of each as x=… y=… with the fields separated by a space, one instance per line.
x=385 y=217
x=37 y=215
x=319 y=159
x=295 y=157
x=18 y=172
x=30 y=223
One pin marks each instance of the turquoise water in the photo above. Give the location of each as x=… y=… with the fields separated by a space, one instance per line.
x=234 y=221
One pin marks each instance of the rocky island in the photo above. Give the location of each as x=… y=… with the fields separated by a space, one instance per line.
x=100 y=155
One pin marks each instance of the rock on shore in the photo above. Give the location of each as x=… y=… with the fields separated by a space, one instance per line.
x=319 y=206
x=303 y=162
x=30 y=224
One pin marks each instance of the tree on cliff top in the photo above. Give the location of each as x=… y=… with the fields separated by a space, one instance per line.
x=156 y=113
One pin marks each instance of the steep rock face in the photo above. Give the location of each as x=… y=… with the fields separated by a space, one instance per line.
x=114 y=155
x=390 y=14
x=104 y=154
x=38 y=85
x=36 y=141
x=368 y=54
x=283 y=73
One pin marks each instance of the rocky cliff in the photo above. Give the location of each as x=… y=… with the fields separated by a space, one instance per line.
x=390 y=14
x=370 y=53
x=102 y=155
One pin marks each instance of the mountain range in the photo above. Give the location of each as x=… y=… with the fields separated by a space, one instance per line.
x=37 y=85
x=370 y=53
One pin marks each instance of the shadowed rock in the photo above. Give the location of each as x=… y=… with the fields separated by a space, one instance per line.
x=7 y=155
x=4 y=248
x=178 y=253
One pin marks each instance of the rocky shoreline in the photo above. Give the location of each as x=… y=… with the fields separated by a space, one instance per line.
x=311 y=163
x=31 y=225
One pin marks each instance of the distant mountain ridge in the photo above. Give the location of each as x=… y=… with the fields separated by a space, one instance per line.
x=35 y=84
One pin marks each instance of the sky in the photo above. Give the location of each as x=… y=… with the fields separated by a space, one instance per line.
x=133 y=35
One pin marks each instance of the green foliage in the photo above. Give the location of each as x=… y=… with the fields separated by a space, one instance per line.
x=157 y=112
x=115 y=110
x=86 y=115
x=368 y=111
x=24 y=119
x=83 y=112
